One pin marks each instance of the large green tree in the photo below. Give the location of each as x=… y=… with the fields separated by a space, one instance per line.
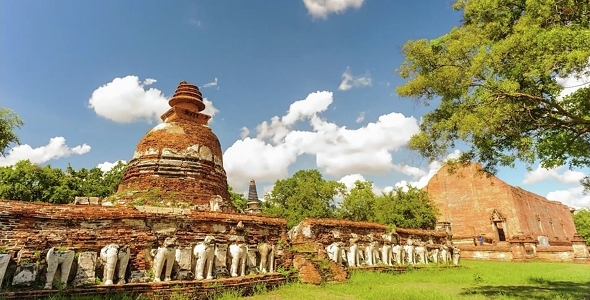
x=582 y=222
x=305 y=194
x=407 y=208
x=238 y=199
x=359 y=204
x=9 y=122
x=26 y=181
x=495 y=80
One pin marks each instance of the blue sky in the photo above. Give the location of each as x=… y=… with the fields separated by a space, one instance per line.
x=90 y=78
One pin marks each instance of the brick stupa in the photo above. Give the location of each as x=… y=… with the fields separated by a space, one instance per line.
x=179 y=160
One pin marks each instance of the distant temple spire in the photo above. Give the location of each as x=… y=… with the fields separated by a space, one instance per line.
x=253 y=201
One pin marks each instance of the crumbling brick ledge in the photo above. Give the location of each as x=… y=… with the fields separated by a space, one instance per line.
x=162 y=290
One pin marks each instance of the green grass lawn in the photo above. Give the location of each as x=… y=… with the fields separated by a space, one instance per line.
x=474 y=280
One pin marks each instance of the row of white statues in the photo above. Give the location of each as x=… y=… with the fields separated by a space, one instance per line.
x=205 y=254
x=115 y=259
x=238 y=256
x=389 y=254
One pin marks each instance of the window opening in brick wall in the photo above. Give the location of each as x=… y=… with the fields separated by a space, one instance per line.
x=498 y=224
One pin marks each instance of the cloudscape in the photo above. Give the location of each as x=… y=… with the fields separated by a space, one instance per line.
x=290 y=85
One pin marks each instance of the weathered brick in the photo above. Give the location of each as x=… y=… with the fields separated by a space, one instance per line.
x=467 y=199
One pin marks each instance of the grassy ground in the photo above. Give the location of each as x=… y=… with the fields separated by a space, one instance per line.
x=475 y=280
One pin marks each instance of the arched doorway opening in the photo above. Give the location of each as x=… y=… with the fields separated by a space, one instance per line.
x=498 y=225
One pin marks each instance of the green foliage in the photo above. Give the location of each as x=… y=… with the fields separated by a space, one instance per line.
x=497 y=78
x=9 y=122
x=26 y=181
x=260 y=288
x=359 y=204
x=239 y=201
x=409 y=208
x=475 y=280
x=305 y=194
x=582 y=222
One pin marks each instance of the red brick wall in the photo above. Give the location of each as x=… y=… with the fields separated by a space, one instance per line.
x=467 y=199
x=540 y=216
x=34 y=227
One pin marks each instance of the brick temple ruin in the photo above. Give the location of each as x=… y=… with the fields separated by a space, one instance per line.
x=514 y=224
x=172 y=227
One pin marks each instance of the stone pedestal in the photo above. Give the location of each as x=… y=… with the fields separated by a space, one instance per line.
x=221 y=261
x=252 y=259
x=183 y=264
x=518 y=252
x=543 y=241
x=85 y=274
x=4 y=261
x=579 y=247
x=519 y=244
x=25 y=275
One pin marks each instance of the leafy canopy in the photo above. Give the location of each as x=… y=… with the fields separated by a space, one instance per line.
x=497 y=77
x=9 y=122
x=305 y=194
x=239 y=201
x=582 y=222
x=359 y=204
x=26 y=181
x=406 y=208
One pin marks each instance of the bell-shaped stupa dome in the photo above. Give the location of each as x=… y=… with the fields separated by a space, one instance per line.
x=179 y=160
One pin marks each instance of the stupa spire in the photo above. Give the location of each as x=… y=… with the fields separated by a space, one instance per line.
x=186 y=103
x=253 y=201
x=187 y=94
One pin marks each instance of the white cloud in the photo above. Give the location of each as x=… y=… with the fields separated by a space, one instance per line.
x=337 y=149
x=349 y=81
x=541 y=174
x=361 y=117
x=107 y=166
x=211 y=84
x=209 y=108
x=253 y=158
x=409 y=170
x=244 y=132
x=572 y=197
x=349 y=180
x=314 y=103
x=278 y=128
x=433 y=168
x=55 y=149
x=127 y=99
x=322 y=8
x=573 y=82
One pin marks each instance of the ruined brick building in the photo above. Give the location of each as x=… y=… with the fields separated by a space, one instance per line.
x=181 y=158
x=476 y=204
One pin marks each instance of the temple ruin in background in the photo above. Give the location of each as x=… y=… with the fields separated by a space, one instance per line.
x=473 y=204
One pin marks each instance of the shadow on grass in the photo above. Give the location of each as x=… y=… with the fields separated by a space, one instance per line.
x=539 y=288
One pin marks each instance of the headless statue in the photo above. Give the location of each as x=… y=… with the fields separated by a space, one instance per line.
x=57 y=258
x=164 y=255
x=110 y=255
x=205 y=255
